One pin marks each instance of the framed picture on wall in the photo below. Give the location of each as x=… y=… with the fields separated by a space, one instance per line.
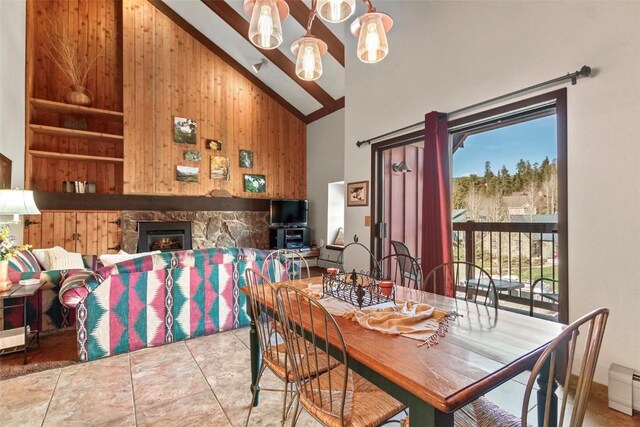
x=246 y=159
x=213 y=144
x=358 y=193
x=185 y=131
x=255 y=183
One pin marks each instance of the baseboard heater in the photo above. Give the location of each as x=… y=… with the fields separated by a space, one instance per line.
x=624 y=389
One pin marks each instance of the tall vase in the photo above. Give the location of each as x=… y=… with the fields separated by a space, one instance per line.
x=78 y=96
x=5 y=283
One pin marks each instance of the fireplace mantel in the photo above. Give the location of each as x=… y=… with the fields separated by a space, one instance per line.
x=118 y=202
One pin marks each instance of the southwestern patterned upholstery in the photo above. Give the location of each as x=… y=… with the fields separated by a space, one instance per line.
x=53 y=315
x=162 y=298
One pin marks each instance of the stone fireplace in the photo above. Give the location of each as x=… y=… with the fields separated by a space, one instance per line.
x=248 y=229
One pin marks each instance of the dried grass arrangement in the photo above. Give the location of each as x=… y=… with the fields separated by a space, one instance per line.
x=62 y=50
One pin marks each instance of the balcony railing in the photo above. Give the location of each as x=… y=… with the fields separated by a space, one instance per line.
x=516 y=251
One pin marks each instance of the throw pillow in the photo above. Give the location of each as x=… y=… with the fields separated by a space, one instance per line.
x=63 y=260
x=42 y=255
x=110 y=259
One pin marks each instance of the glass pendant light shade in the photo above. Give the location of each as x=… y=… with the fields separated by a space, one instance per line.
x=265 y=27
x=371 y=30
x=336 y=10
x=309 y=51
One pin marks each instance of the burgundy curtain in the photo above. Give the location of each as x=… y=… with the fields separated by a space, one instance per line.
x=436 y=201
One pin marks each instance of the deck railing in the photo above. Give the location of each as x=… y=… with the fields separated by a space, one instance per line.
x=519 y=251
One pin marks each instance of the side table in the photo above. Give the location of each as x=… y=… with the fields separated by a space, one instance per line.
x=19 y=339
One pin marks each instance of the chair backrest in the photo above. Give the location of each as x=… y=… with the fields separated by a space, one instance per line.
x=294 y=264
x=468 y=280
x=402 y=269
x=543 y=282
x=260 y=291
x=400 y=248
x=351 y=248
x=563 y=348
x=304 y=322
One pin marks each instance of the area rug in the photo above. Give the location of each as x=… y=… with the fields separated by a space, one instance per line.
x=57 y=349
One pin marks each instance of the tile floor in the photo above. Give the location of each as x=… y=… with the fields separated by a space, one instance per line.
x=203 y=381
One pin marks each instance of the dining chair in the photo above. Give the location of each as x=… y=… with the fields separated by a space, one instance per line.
x=401 y=248
x=272 y=346
x=339 y=396
x=555 y=362
x=403 y=270
x=467 y=279
x=544 y=294
x=351 y=249
x=293 y=263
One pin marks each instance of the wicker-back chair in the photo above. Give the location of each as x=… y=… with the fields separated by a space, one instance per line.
x=272 y=346
x=294 y=264
x=403 y=270
x=338 y=397
x=468 y=280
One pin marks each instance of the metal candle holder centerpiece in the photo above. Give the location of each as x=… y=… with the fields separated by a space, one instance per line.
x=358 y=289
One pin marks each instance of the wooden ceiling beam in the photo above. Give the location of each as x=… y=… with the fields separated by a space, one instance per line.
x=300 y=13
x=320 y=113
x=279 y=59
x=215 y=49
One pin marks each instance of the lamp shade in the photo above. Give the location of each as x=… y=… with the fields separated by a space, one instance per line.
x=309 y=50
x=17 y=202
x=371 y=30
x=336 y=10
x=265 y=26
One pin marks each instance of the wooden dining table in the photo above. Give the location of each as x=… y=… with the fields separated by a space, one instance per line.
x=482 y=349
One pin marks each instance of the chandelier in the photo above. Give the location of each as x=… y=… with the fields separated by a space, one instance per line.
x=265 y=31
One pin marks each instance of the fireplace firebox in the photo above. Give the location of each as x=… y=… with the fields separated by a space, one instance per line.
x=164 y=236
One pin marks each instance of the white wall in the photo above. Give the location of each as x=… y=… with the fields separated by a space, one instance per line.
x=447 y=55
x=335 y=210
x=13 y=24
x=325 y=164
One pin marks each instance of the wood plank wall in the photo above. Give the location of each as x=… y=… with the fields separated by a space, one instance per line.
x=94 y=26
x=168 y=73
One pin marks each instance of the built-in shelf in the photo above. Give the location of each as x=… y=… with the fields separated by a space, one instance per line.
x=62 y=108
x=71 y=156
x=75 y=133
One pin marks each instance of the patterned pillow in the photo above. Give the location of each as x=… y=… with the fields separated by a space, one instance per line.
x=74 y=289
x=24 y=261
x=59 y=260
x=42 y=255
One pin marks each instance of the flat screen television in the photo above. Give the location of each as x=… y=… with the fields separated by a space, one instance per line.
x=289 y=212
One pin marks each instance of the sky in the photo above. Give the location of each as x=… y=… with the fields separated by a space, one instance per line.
x=533 y=140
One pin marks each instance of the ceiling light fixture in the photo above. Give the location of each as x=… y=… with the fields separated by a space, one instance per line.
x=265 y=31
x=335 y=11
x=371 y=30
x=259 y=65
x=401 y=167
x=265 y=27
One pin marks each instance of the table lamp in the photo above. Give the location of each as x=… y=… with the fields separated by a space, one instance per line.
x=14 y=203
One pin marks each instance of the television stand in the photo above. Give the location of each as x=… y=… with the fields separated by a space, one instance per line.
x=293 y=238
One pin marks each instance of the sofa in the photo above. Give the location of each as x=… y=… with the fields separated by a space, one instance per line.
x=163 y=298
x=52 y=314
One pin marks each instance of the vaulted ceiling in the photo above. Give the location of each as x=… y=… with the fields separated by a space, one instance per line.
x=223 y=26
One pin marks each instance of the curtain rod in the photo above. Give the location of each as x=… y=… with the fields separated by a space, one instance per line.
x=585 y=71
